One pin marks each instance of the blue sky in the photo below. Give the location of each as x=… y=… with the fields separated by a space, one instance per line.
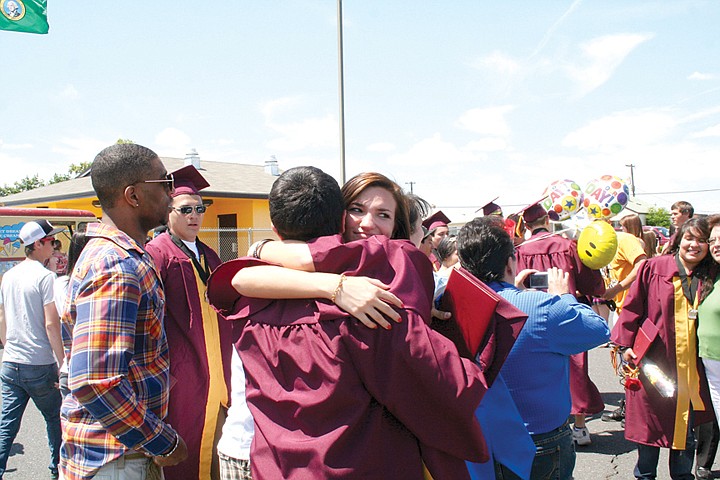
x=467 y=99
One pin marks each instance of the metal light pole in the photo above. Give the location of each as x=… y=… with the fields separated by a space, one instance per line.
x=341 y=91
x=411 y=185
x=632 y=178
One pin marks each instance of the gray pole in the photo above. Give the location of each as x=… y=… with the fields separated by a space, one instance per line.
x=632 y=178
x=341 y=91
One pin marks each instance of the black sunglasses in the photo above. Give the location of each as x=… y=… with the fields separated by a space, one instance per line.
x=169 y=179
x=187 y=209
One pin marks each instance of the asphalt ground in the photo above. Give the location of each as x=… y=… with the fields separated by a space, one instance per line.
x=609 y=456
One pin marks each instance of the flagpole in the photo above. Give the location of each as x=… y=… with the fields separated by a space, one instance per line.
x=341 y=91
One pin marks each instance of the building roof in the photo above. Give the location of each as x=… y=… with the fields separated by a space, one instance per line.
x=229 y=180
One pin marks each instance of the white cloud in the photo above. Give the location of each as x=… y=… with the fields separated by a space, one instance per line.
x=14 y=146
x=703 y=76
x=299 y=133
x=173 y=142
x=486 y=121
x=498 y=62
x=487 y=145
x=601 y=57
x=70 y=93
x=223 y=142
x=307 y=133
x=713 y=131
x=621 y=130
x=431 y=152
x=79 y=149
x=381 y=147
x=272 y=107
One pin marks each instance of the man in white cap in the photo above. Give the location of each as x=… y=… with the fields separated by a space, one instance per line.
x=30 y=334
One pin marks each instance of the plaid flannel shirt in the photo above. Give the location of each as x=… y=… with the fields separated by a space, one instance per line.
x=117 y=353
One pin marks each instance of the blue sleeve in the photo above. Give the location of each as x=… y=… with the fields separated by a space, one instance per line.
x=574 y=327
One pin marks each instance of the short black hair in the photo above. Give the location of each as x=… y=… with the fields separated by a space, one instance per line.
x=306 y=203
x=118 y=166
x=484 y=248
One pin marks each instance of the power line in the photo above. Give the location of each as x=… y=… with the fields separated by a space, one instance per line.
x=681 y=191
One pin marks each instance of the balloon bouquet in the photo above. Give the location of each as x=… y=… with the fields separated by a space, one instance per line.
x=600 y=200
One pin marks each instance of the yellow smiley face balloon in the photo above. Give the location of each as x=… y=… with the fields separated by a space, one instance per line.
x=597 y=244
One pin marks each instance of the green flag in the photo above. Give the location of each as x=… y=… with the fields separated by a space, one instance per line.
x=24 y=16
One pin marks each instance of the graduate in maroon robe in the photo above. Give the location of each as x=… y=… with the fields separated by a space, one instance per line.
x=542 y=251
x=332 y=398
x=666 y=294
x=200 y=343
x=437 y=227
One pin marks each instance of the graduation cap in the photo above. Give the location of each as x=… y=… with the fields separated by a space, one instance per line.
x=437 y=219
x=534 y=211
x=491 y=208
x=188 y=181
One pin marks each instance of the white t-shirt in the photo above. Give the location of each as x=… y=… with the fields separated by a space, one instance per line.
x=238 y=431
x=25 y=290
x=60 y=296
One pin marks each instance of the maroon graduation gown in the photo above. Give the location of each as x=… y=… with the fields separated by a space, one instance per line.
x=189 y=358
x=542 y=251
x=657 y=295
x=332 y=398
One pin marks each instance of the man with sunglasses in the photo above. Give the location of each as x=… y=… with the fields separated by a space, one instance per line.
x=30 y=334
x=114 y=420
x=200 y=343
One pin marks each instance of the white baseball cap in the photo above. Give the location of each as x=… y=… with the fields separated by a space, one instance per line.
x=35 y=230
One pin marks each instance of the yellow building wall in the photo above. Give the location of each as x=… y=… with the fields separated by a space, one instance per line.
x=251 y=213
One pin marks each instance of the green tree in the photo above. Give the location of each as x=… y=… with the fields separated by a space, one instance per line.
x=30 y=183
x=658 y=217
x=122 y=141
x=27 y=183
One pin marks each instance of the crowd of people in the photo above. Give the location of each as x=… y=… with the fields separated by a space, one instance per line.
x=332 y=353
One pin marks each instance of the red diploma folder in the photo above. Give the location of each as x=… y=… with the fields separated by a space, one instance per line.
x=488 y=323
x=646 y=334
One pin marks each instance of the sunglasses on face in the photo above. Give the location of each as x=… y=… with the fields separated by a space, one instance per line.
x=169 y=180
x=187 y=209
x=47 y=239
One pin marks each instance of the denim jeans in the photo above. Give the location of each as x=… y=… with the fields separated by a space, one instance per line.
x=554 y=459
x=681 y=461
x=20 y=383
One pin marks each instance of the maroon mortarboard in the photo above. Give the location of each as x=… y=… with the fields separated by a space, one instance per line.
x=533 y=212
x=188 y=181
x=491 y=208
x=437 y=219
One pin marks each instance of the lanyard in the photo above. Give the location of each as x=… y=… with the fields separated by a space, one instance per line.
x=690 y=286
x=203 y=272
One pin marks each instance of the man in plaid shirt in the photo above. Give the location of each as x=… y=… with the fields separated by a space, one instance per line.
x=113 y=331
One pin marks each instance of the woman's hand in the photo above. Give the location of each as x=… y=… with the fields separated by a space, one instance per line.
x=369 y=300
x=557 y=281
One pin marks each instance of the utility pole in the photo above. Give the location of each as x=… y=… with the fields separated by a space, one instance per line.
x=341 y=91
x=632 y=178
x=411 y=185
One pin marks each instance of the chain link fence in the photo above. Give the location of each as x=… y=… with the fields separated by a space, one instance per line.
x=231 y=243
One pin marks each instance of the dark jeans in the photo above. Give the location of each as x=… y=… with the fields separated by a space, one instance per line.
x=708 y=437
x=681 y=461
x=554 y=459
x=20 y=383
